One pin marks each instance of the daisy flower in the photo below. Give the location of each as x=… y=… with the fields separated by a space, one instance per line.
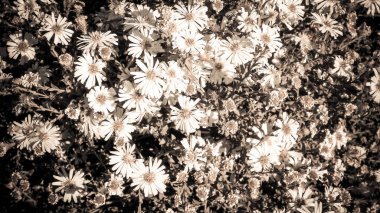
x=115 y=185
x=261 y=158
x=301 y=197
x=148 y=79
x=89 y=123
x=342 y=67
x=375 y=86
x=193 y=156
x=151 y=179
x=134 y=100
x=288 y=129
x=221 y=71
x=266 y=36
x=327 y=24
x=124 y=160
x=59 y=28
x=142 y=17
x=236 y=50
x=144 y=41
x=19 y=45
x=47 y=137
x=191 y=18
x=71 y=185
x=264 y=137
x=321 y=4
x=247 y=21
x=187 y=118
x=119 y=124
x=89 y=70
x=97 y=39
x=23 y=132
x=174 y=76
x=293 y=11
x=317 y=208
x=102 y=99
x=272 y=76
x=372 y=6
x=26 y=7
x=189 y=42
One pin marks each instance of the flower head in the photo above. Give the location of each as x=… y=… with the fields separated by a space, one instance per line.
x=151 y=179
x=72 y=185
x=59 y=28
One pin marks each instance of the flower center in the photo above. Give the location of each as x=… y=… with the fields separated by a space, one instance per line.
x=150 y=75
x=101 y=99
x=292 y=8
x=264 y=160
x=118 y=126
x=128 y=159
x=218 y=66
x=189 y=42
x=149 y=177
x=92 y=68
x=146 y=45
x=249 y=21
x=114 y=185
x=185 y=113
x=286 y=129
x=22 y=46
x=171 y=73
x=234 y=47
x=190 y=155
x=189 y=17
x=70 y=187
x=56 y=28
x=265 y=38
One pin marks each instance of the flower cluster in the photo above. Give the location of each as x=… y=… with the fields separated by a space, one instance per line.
x=190 y=106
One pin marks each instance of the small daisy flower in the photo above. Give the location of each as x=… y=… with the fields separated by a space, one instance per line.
x=266 y=36
x=288 y=129
x=222 y=71
x=375 y=86
x=72 y=185
x=327 y=25
x=89 y=43
x=102 y=99
x=89 y=70
x=192 y=156
x=133 y=99
x=191 y=18
x=174 y=76
x=187 y=118
x=150 y=179
x=141 y=17
x=25 y=8
x=247 y=21
x=189 y=42
x=59 y=28
x=119 y=124
x=342 y=67
x=47 y=137
x=149 y=79
x=372 y=6
x=301 y=197
x=124 y=160
x=236 y=50
x=21 y=45
x=115 y=185
x=261 y=158
x=144 y=41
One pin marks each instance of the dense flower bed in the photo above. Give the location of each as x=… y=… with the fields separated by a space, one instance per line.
x=199 y=106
